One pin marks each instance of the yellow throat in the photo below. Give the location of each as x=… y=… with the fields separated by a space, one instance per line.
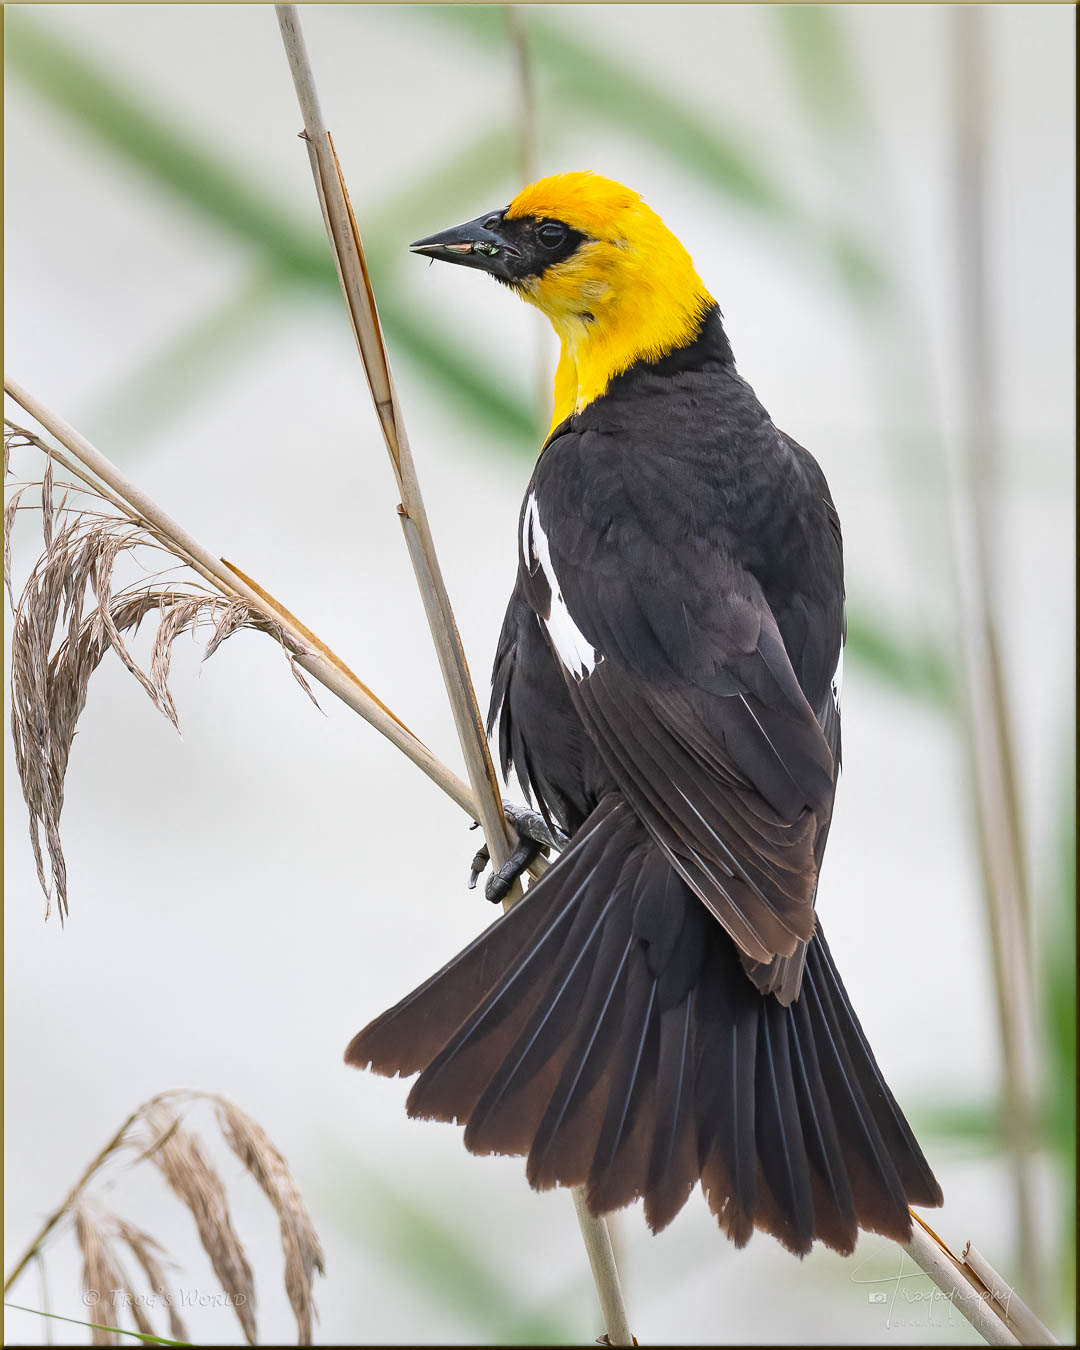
x=629 y=292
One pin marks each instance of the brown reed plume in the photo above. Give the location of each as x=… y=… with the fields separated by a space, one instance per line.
x=71 y=612
x=155 y=1133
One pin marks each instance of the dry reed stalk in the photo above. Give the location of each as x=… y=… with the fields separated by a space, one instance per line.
x=319 y=662
x=933 y=1257
x=316 y=658
x=356 y=286
x=1029 y=1329
x=972 y=1286
x=527 y=127
x=348 y=251
x=971 y=477
x=604 y=1257
x=155 y=1131
x=65 y=1207
x=360 y=303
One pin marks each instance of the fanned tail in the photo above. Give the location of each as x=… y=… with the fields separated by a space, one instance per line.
x=606 y=1030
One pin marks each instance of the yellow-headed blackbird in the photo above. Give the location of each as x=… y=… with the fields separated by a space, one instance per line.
x=662 y=1007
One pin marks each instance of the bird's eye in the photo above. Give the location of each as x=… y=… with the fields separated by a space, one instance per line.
x=492 y=222
x=552 y=234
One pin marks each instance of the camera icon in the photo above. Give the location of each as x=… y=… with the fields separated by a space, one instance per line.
x=877 y=1296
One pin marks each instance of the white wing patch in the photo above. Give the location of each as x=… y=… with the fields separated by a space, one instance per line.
x=574 y=649
x=838 y=678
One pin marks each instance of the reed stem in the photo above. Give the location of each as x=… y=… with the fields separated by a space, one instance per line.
x=360 y=301
x=322 y=664
x=972 y=465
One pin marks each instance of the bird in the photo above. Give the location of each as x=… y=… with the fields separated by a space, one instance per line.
x=661 y=1010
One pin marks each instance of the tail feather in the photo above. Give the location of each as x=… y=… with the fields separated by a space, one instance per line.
x=726 y=1089
x=673 y=1167
x=834 y=1206
x=880 y=1202
x=566 y=1138
x=507 y=1114
x=499 y=1122
x=408 y=1036
x=785 y=1197
x=448 y=1088
x=607 y=1030
x=620 y=1165
x=917 y=1179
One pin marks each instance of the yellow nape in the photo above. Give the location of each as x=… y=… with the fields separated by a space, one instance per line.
x=629 y=292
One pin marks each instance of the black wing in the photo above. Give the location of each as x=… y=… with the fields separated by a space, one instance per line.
x=675 y=662
x=782 y=975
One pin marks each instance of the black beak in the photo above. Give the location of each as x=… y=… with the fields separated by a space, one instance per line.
x=472 y=245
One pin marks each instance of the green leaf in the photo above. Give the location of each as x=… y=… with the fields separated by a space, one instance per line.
x=592 y=79
x=98 y=102
x=820 y=65
x=979 y=1126
x=976 y=1126
x=98 y=1326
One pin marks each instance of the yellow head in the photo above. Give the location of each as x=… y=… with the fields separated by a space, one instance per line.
x=616 y=284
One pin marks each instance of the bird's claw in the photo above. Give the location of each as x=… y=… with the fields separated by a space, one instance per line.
x=502 y=879
x=479 y=862
x=533 y=836
x=499 y=883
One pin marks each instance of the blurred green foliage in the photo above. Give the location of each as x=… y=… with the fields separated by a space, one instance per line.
x=581 y=79
x=820 y=65
x=1058 y=983
x=452 y=1264
x=198 y=176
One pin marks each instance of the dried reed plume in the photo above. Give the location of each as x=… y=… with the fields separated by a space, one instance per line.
x=303 y=1255
x=156 y=1134
x=103 y=1274
x=58 y=643
x=176 y=1153
x=149 y=1254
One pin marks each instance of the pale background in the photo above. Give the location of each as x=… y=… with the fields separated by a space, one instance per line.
x=246 y=898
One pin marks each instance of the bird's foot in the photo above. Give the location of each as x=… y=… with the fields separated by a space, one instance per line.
x=502 y=878
x=532 y=825
x=533 y=836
